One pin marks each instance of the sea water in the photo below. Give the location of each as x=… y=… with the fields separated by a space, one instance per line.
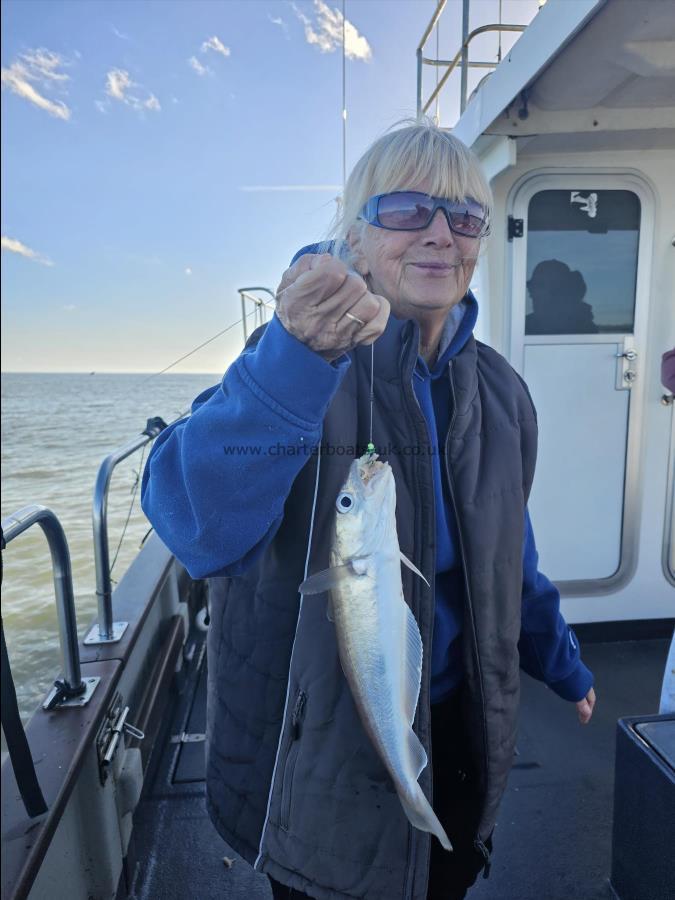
x=56 y=431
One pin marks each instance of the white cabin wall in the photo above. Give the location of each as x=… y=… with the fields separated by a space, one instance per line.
x=648 y=594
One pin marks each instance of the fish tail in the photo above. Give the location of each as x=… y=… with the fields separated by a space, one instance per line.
x=418 y=810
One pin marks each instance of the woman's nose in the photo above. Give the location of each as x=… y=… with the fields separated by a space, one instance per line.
x=438 y=230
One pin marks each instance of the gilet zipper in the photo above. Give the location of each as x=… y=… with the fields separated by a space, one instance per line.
x=478 y=843
x=406 y=383
x=257 y=865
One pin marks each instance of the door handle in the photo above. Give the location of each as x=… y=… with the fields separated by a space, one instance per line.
x=626 y=374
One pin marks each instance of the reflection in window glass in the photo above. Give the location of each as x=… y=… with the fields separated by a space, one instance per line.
x=582 y=262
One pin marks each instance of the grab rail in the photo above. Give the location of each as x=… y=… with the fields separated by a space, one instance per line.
x=73 y=690
x=461 y=57
x=260 y=307
x=105 y=631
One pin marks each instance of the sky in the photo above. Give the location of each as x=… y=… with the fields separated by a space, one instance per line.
x=157 y=155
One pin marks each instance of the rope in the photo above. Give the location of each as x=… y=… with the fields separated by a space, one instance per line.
x=185 y=356
x=131 y=506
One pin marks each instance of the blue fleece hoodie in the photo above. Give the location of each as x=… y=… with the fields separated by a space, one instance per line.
x=202 y=469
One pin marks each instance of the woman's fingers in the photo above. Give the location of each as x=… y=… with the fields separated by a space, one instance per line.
x=374 y=328
x=585 y=707
x=306 y=262
x=328 y=307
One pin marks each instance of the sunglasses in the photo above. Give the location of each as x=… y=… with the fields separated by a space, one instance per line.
x=412 y=211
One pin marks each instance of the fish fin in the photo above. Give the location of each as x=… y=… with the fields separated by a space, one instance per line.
x=413 y=673
x=325 y=580
x=406 y=562
x=417 y=753
x=421 y=815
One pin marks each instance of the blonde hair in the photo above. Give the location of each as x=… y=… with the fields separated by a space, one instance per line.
x=405 y=158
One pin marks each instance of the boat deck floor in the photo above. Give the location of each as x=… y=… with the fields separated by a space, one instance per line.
x=553 y=838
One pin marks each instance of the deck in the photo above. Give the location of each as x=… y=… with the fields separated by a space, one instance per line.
x=553 y=839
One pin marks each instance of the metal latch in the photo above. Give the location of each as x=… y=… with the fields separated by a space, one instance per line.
x=514 y=228
x=185 y=738
x=626 y=373
x=109 y=737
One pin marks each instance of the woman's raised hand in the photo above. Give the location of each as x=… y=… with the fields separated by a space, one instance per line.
x=328 y=306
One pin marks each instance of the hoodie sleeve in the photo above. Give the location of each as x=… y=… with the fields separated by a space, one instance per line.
x=215 y=484
x=549 y=649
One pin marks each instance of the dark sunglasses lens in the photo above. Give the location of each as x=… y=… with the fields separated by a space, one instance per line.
x=467 y=218
x=404 y=210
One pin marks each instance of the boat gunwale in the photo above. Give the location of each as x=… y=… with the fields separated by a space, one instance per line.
x=60 y=739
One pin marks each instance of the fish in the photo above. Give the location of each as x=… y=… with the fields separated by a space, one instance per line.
x=379 y=642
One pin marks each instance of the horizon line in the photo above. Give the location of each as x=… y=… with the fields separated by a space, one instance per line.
x=101 y=372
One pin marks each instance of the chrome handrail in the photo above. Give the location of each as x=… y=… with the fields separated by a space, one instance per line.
x=15 y=525
x=260 y=306
x=105 y=631
x=462 y=54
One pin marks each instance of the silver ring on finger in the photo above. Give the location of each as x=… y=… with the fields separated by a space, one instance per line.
x=355 y=319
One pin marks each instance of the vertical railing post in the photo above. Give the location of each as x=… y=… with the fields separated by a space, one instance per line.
x=106 y=631
x=465 y=55
x=73 y=685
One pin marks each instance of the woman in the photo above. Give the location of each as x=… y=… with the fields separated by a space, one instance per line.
x=243 y=493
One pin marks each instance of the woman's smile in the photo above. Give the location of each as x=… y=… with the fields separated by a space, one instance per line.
x=435 y=269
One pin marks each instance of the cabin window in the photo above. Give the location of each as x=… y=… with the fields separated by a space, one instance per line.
x=582 y=248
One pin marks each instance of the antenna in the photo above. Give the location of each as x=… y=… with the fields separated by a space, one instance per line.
x=344 y=101
x=499 y=49
x=437 y=117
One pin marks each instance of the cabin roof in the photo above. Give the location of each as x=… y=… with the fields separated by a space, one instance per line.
x=591 y=74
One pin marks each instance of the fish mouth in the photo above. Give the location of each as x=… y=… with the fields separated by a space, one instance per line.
x=373 y=478
x=371 y=471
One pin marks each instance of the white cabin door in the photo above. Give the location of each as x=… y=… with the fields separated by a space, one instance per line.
x=573 y=337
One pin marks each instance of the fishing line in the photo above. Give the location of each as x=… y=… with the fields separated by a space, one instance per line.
x=371 y=445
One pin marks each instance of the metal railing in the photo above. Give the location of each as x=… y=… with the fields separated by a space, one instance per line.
x=262 y=309
x=105 y=631
x=461 y=58
x=73 y=690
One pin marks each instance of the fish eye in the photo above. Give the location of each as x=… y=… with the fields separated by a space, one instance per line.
x=344 y=502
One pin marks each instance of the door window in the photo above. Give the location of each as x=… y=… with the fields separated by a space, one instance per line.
x=582 y=251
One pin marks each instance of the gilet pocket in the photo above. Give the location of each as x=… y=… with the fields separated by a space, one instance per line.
x=291 y=757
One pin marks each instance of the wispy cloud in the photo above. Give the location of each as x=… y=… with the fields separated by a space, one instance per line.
x=35 y=71
x=70 y=307
x=277 y=20
x=290 y=187
x=15 y=246
x=119 y=86
x=194 y=63
x=325 y=32
x=188 y=271
x=214 y=43
x=120 y=34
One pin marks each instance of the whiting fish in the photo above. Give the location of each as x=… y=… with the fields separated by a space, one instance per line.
x=379 y=643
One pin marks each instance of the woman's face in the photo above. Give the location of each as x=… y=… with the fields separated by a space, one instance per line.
x=417 y=271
